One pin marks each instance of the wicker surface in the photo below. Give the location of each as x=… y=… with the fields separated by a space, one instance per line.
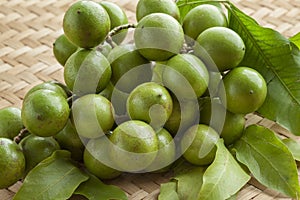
x=29 y=27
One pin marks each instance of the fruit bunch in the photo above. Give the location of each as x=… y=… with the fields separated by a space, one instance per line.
x=138 y=98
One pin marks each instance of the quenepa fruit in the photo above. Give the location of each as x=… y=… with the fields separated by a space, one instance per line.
x=10 y=122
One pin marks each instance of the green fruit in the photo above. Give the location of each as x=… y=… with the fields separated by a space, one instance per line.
x=158 y=36
x=119 y=99
x=190 y=72
x=150 y=102
x=146 y=7
x=185 y=114
x=213 y=84
x=224 y=46
x=245 y=90
x=45 y=113
x=166 y=152
x=135 y=146
x=157 y=72
x=63 y=49
x=87 y=71
x=198 y=144
x=201 y=18
x=10 y=122
x=129 y=68
x=86 y=24
x=105 y=48
x=36 y=149
x=95 y=155
x=230 y=128
x=93 y=115
x=117 y=18
x=47 y=86
x=107 y=92
x=68 y=139
x=12 y=163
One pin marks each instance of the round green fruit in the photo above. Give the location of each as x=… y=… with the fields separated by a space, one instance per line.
x=86 y=24
x=201 y=18
x=10 y=122
x=36 y=149
x=135 y=146
x=96 y=155
x=68 y=139
x=86 y=72
x=245 y=90
x=224 y=46
x=117 y=18
x=63 y=49
x=190 y=72
x=198 y=144
x=230 y=129
x=185 y=114
x=12 y=163
x=129 y=68
x=158 y=36
x=150 y=102
x=47 y=86
x=146 y=7
x=166 y=152
x=45 y=113
x=92 y=115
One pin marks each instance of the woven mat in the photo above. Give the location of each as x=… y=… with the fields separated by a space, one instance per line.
x=29 y=27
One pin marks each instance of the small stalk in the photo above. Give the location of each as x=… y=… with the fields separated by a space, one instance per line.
x=115 y=31
x=21 y=135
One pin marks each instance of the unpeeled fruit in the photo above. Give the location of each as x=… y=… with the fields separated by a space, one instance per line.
x=10 y=122
x=12 y=163
x=86 y=24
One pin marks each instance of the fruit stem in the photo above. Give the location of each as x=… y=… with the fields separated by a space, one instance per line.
x=21 y=135
x=117 y=30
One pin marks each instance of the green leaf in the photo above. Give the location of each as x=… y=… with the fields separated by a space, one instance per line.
x=186 y=5
x=168 y=191
x=296 y=39
x=224 y=177
x=268 y=159
x=191 y=176
x=54 y=178
x=278 y=60
x=293 y=146
x=94 y=189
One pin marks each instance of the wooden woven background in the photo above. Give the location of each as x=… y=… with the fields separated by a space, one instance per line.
x=29 y=27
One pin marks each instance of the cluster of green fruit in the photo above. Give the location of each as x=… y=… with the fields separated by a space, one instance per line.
x=139 y=106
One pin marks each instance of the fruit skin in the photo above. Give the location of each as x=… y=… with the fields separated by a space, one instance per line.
x=198 y=144
x=12 y=163
x=135 y=146
x=63 y=49
x=47 y=86
x=45 y=113
x=229 y=128
x=245 y=90
x=150 y=102
x=166 y=152
x=68 y=139
x=158 y=36
x=10 y=122
x=117 y=18
x=36 y=149
x=97 y=152
x=92 y=115
x=201 y=18
x=86 y=24
x=224 y=46
x=185 y=114
x=129 y=68
x=146 y=7
x=190 y=72
x=87 y=71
